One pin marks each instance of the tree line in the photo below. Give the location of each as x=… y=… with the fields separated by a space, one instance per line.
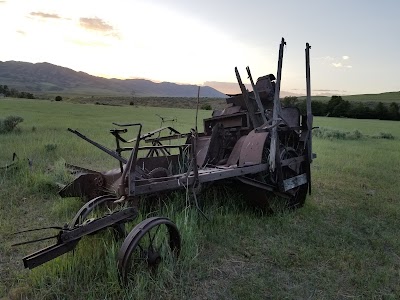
x=338 y=107
x=12 y=92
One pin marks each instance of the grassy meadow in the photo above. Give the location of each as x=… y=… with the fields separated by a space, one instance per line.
x=342 y=244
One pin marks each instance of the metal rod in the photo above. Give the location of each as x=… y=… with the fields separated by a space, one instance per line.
x=258 y=100
x=197 y=105
x=101 y=147
x=309 y=111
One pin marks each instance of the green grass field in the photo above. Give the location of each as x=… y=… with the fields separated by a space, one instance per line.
x=343 y=244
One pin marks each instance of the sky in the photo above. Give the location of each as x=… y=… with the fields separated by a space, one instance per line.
x=355 y=44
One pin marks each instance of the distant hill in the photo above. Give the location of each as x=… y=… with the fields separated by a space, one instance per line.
x=45 y=78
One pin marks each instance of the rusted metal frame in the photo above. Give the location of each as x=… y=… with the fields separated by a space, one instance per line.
x=295 y=181
x=151 y=133
x=263 y=186
x=180 y=181
x=99 y=224
x=46 y=254
x=14 y=161
x=67 y=239
x=118 y=149
x=166 y=138
x=127 y=175
x=293 y=160
x=101 y=147
x=274 y=148
x=245 y=95
x=258 y=100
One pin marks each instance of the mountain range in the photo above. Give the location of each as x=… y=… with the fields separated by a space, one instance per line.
x=45 y=78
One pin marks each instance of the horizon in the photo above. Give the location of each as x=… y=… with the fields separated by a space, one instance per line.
x=202 y=43
x=232 y=86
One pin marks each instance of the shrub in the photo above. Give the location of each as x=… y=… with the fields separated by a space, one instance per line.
x=326 y=133
x=58 y=98
x=10 y=123
x=206 y=106
x=384 y=135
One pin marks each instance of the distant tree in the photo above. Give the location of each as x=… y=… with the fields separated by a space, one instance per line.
x=290 y=101
x=342 y=109
x=335 y=100
x=318 y=108
x=381 y=111
x=58 y=98
x=393 y=111
x=6 y=91
x=133 y=94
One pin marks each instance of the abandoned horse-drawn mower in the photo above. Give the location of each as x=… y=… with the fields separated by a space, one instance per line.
x=253 y=141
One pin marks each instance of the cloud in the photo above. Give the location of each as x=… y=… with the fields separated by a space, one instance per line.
x=337 y=65
x=345 y=57
x=21 y=32
x=2 y=2
x=45 y=15
x=95 y=24
x=328 y=90
x=326 y=58
x=99 y=25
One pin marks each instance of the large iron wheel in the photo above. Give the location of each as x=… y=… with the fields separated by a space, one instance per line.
x=149 y=244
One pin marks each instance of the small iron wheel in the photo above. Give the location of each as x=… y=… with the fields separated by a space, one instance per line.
x=83 y=215
x=150 y=242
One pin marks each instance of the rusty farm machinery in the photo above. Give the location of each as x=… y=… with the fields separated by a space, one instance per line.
x=254 y=141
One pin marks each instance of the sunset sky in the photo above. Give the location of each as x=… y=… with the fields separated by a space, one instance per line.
x=355 y=44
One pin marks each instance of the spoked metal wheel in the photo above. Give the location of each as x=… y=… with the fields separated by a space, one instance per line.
x=149 y=244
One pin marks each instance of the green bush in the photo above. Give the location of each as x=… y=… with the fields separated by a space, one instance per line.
x=384 y=135
x=326 y=133
x=58 y=98
x=10 y=123
x=206 y=106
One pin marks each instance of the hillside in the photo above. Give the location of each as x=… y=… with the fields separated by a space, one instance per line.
x=45 y=78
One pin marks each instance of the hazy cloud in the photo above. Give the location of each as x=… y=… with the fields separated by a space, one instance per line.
x=95 y=24
x=89 y=43
x=340 y=65
x=345 y=57
x=328 y=90
x=45 y=15
x=2 y=2
x=21 y=32
x=326 y=58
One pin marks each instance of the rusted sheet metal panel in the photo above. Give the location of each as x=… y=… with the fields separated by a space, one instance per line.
x=150 y=163
x=234 y=156
x=291 y=115
x=252 y=149
x=203 y=143
x=235 y=120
